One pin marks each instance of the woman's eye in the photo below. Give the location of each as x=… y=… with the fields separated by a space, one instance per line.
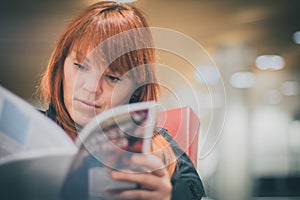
x=112 y=78
x=80 y=67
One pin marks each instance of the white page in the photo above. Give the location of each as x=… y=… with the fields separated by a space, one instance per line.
x=108 y=143
x=27 y=133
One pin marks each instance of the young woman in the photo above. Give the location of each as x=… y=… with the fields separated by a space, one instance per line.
x=105 y=58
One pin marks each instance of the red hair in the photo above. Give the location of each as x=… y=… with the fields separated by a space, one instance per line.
x=119 y=36
x=162 y=149
x=88 y=30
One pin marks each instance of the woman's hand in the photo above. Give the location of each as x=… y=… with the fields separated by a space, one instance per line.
x=155 y=183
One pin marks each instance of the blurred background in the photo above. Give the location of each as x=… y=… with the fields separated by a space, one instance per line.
x=244 y=84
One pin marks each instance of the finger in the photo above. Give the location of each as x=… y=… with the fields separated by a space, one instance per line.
x=151 y=162
x=147 y=180
x=132 y=194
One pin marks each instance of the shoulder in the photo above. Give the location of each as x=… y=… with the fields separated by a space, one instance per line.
x=185 y=180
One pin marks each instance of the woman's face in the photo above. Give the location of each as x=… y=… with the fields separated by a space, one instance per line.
x=89 y=89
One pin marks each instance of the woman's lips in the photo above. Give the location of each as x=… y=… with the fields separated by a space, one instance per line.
x=86 y=105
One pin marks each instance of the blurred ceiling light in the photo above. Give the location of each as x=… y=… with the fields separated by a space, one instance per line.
x=296 y=37
x=207 y=75
x=273 y=96
x=290 y=88
x=273 y=62
x=242 y=79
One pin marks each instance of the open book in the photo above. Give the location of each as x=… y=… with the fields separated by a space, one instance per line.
x=38 y=160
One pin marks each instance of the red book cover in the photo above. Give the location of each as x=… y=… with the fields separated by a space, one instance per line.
x=183 y=125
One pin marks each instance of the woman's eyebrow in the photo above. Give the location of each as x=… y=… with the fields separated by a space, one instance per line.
x=85 y=59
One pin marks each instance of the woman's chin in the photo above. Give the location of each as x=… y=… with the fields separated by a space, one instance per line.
x=83 y=119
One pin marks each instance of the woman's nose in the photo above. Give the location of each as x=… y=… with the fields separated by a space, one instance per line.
x=93 y=83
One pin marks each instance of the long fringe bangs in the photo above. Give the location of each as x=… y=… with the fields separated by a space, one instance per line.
x=119 y=40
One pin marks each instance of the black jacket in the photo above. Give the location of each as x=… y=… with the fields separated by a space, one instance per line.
x=185 y=179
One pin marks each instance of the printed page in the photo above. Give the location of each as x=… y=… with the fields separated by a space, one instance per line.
x=108 y=143
x=27 y=133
